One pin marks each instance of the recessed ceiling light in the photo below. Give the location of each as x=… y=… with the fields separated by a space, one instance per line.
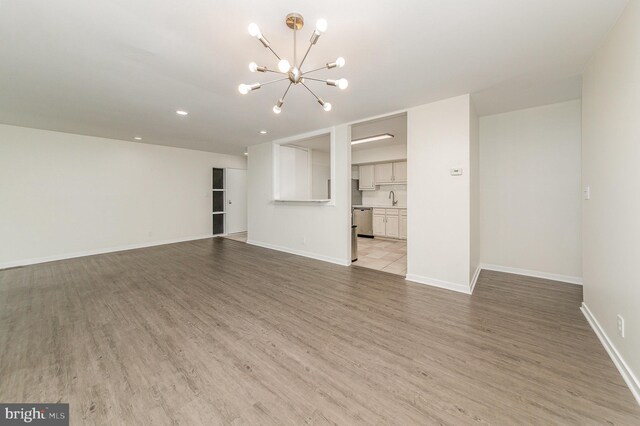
x=138 y=138
x=263 y=132
x=181 y=112
x=372 y=138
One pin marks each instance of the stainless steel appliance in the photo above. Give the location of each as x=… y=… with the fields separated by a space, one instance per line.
x=363 y=219
x=356 y=194
x=354 y=244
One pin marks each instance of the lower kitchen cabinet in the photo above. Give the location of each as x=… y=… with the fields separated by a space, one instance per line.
x=379 y=224
x=390 y=223
x=403 y=224
x=392 y=227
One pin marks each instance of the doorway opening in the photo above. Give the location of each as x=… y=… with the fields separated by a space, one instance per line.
x=379 y=194
x=229 y=194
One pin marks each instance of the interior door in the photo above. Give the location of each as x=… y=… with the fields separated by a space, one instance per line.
x=236 y=208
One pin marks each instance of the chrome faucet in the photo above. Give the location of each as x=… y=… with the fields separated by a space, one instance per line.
x=392 y=195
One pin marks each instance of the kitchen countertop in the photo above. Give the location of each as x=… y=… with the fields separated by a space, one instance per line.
x=381 y=207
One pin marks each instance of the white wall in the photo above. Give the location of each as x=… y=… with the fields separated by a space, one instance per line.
x=380 y=196
x=380 y=154
x=530 y=190
x=438 y=244
x=474 y=195
x=610 y=158
x=64 y=195
x=315 y=230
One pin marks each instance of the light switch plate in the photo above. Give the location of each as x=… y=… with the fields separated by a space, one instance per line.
x=586 y=192
x=456 y=171
x=620 y=326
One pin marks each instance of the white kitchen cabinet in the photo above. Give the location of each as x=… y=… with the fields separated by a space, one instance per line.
x=392 y=226
x=400 y=172
x=403 y=224
x=384 y=173
x=390 y=173
x=388 y=222
x=367 y=177
x=379 y=225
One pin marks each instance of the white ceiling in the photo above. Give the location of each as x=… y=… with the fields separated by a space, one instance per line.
x=121 y=68
x=320 y=143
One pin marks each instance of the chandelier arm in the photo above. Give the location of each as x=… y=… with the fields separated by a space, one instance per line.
x=273 y=51
x=314 y=70
x=311 y=91
x=286 y=91
x=274 y=71
x=305 y=56
x=315 y=79
x=274 y=81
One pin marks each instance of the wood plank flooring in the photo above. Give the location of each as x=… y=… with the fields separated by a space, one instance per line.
x=220 y=332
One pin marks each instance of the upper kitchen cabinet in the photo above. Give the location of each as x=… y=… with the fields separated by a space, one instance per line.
x=390 y=173
x=367 y=177
x=384 y=173
x=400 y=172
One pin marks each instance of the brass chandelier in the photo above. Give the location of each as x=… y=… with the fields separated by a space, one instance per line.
x=293 y=72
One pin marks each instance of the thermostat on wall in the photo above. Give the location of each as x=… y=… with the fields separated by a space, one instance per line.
x=456 y=172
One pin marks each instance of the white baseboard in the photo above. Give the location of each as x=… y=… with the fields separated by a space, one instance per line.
x=461 y=288
x=537 y=274
x=630 y=379
x=53 y=258
x=311 y=255
x=474 y=280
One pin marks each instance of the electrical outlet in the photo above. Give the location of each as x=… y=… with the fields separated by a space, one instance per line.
x=621 y=326
x=586 y=192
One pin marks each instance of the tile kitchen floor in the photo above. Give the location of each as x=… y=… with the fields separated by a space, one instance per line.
x=383 y=255
x=240 y=236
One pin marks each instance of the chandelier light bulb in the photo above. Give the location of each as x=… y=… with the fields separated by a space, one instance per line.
x=342 y=83
x=244 y=89
x=254 y=30
x=321 y=25
x=340 y=62
x=284 y=65
x=253 y=67
x=327 y=106
x=277 y=109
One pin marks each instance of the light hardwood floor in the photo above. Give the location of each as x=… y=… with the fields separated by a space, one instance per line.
x=216 y=331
